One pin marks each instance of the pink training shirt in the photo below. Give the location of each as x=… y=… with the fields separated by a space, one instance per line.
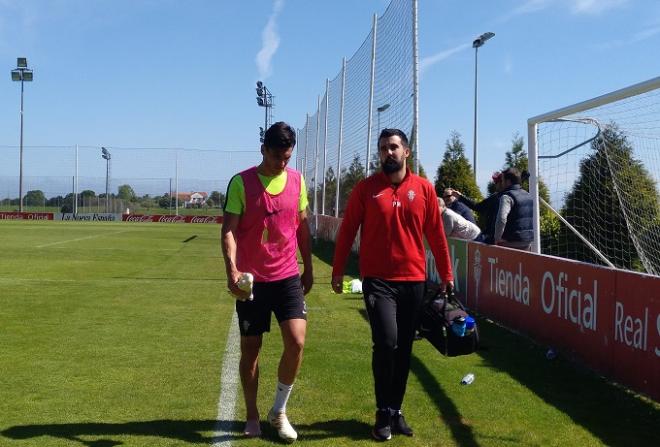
x=266 y=234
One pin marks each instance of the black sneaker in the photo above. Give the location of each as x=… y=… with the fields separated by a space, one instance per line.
x=382 y=430
x=398 y=424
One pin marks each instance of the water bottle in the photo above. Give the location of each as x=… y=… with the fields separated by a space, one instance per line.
x=245 y=283
x=458 y=326
x=469 y=324
x=468 y=379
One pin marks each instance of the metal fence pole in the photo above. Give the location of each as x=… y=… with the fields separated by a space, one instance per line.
x=316 y=154
x=374 y=29
x=306 y=154
x=341 y=133
x=415 y=129
x=176 y=184
x=325 y=142
x=75 y=186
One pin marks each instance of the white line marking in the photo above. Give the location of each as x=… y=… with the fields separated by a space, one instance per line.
x=80 y=239
x=228 y=387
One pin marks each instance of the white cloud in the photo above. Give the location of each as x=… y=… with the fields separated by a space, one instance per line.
x=645 y=34
x=595 y=6
x=576 y=7
x=427 y=62
x=270 y=42
x=508 y=65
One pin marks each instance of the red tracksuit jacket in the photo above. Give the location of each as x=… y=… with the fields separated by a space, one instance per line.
x=393 y=220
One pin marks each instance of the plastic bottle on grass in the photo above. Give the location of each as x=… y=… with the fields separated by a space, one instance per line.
x=468 y=379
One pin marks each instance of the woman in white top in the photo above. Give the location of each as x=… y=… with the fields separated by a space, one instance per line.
x=456 y=225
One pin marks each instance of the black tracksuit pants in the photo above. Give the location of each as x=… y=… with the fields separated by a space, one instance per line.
x=394 y=309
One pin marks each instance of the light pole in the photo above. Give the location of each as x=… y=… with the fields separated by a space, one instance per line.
x=105 y=154
x=380 y=109
x=265 y=100
x=23 y=74
x=479 y=41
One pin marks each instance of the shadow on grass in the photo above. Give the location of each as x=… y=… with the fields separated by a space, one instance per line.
x=460 y=430
x=325 y=251
x=186 y=431
x=614 y=415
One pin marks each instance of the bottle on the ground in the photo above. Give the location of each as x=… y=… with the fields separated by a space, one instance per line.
x=468 y=379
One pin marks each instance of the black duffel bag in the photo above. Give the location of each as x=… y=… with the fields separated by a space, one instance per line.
x=440 y=311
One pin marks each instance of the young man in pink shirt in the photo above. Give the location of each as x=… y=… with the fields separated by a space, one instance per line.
x=394 y=210
x=265 y=222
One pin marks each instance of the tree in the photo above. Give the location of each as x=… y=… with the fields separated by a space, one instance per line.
x=217 y=198
x=330 y=191
x=349 y=179
x=593 y=201
x=34 y=198
x=166 y=201
x=125 y=192
x=455 y=171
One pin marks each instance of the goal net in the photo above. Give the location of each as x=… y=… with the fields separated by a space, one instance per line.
x=600 y=161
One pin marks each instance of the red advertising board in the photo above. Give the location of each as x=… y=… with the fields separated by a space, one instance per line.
x=167 y=218
x=25 y=216
x=608 y=318
x=635 y=331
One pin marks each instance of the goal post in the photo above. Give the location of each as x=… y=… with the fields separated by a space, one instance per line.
x=600 y=162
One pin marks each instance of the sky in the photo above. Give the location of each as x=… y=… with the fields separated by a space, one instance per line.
x=181 y=73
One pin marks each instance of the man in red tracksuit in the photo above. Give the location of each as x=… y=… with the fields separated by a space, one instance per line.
x=394 y=209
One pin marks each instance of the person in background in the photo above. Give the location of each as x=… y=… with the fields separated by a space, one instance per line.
x=394 y=210
x=457 y=206
x=487 y=208
x=514 y=219
x=265 y=222
x=457 y=226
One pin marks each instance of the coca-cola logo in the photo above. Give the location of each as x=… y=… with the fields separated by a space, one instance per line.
x=171 y=219
x=202 y=219
x=133 y=218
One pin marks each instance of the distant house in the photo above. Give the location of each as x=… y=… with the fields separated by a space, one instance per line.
x=193 y=199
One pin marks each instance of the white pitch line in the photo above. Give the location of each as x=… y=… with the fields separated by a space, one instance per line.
x=80 y=239
x=228 y=387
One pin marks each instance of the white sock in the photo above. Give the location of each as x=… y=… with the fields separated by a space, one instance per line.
x=282 y=393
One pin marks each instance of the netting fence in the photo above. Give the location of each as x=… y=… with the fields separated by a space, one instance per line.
x=376 y=88
x=600 y=163
x=159 y=178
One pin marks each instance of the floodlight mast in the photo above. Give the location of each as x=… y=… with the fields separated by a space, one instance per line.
x=23 y=74
x=265 y=100
x=478 y=42
x=105 y=154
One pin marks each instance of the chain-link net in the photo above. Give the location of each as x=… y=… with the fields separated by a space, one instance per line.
x=152 y=175
x=350 y=140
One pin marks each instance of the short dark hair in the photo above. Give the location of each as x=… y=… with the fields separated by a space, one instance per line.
x=513 y=175
x=280 y=136
x=386 y=133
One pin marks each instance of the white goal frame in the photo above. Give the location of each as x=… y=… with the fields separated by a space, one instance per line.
x=532 y=146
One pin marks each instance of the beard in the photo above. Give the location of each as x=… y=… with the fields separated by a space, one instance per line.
x=390 y=166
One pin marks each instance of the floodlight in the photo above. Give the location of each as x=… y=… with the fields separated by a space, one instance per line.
x=479 y=41
x=21 y=62
x=260 y=101
x=383 y=108
x=260 y=84
x=15 y=75
x=27 y=75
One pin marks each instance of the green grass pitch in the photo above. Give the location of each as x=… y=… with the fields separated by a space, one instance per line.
x=112 y=334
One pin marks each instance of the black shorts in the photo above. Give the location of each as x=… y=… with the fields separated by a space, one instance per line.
x=284 y=297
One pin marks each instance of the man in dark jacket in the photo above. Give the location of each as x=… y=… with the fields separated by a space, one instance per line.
x=456 y=206
x=486 y=208
x=513 y=223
